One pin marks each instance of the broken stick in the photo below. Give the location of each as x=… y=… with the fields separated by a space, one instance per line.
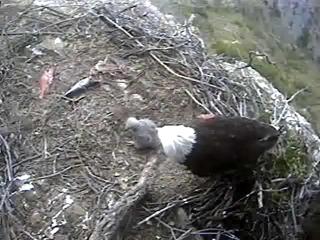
x=109 y=224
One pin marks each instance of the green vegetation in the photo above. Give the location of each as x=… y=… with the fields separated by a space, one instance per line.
x=230 y=33
x=231 y=49
x=293 y=161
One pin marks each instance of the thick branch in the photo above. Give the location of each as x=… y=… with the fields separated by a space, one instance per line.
x=114 y=217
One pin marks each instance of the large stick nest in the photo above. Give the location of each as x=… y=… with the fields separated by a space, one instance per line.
x=87 y=181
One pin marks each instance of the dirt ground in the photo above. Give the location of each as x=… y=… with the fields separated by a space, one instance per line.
x=76 y=154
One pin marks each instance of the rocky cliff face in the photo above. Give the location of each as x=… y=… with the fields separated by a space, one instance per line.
x=296 y=22
x=300 y=22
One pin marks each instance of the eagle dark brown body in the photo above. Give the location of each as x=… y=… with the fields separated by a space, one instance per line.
x=228 y=143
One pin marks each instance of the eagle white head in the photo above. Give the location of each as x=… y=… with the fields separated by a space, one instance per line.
x=176 y=140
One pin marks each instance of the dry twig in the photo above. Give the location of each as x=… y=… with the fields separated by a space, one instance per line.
x=112 y=219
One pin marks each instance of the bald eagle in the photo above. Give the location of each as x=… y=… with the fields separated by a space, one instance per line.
x=214 y=144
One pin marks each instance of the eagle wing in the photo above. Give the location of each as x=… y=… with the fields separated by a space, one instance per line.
x=237 y=130
x=230 y=143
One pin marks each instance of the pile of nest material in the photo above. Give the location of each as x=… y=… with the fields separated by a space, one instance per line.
x=274 y=209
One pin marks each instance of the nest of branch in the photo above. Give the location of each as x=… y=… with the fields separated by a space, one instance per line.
x=81 y=164
x=258 y=215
